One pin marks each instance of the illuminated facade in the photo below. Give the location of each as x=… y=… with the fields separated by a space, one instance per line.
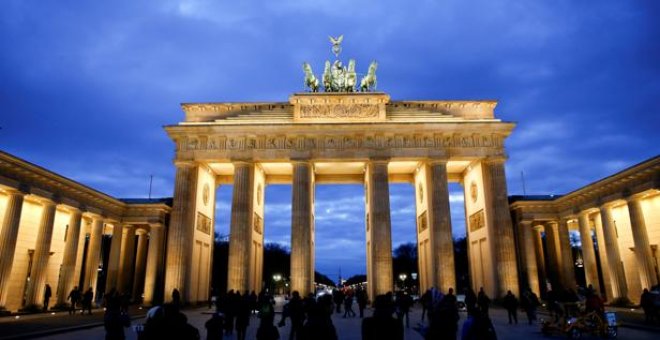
x=618 y=222
x=59 y=232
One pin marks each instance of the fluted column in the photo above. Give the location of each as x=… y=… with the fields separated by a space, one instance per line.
x=154 y=270
x=114 y=257
x=588 y=253
x=68 y=273
x=381 y=235
x=41 y=254
x=440 y=222
x=530 y=256
x=140 y=264
x=619 y=284
x=302 y=267
x=93 y=253
x=642 y=246
x=505 y=249
x=540 y=258
x=568 y=273
x=240 y=234
x=127 y=259
x=8 y=237
x=602 y=255
x=180 y=232
x=554 y=259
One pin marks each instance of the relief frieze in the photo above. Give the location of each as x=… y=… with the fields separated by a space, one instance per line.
x=339 y=142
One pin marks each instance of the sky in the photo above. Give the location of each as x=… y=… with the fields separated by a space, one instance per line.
x=86 y=87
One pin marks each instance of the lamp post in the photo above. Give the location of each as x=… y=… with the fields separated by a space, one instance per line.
x=276 y=279
x=403 y=277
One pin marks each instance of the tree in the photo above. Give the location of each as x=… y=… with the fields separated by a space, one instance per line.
x=404 y=261
x=355 y=279
x=322 y=279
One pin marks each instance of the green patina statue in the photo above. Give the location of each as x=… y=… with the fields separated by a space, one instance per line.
x=338 y=78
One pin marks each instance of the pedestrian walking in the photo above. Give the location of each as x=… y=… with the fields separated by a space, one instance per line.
x=319 y=324
x=362 y=299
x=483 y=301
x=470 y=300
x=338 y=298
x=348 y=306
x=478 y=326
x=425 y=301
x=402 y=305
x=214 y=327
x=266 y=330
x=381 y=325
x=74 y=296
x=87 y=301
x=176 y=297
x=114 y=321
x=530 y=302
x=646 y=301
x=47 y=294
x=510 y=303
x=244 y=311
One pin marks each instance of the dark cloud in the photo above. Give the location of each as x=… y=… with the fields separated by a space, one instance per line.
x=87 y=86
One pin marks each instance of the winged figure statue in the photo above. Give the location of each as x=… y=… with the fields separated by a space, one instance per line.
x=336 y=44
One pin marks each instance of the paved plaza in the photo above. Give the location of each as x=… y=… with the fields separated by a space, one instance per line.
x=349 y=329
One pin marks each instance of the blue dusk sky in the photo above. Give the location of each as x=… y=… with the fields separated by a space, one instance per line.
x=86 y=86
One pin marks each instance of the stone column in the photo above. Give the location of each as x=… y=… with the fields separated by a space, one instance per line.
x=35 y=288
x=140 y=264
x=619 y=284
x=154 y=271
x=567 y=267
x=505 y=248
x=93 y=254
x=588 y=253
x=381 y=234
x=240 y=234
x=8 y=237
x=540 y=258
x=114 y=257
x=180 y=232
x=530 y=256
x=554 y=260
x=68 y=278
x=302 y=252
x=642 y=246
x=127 y=260
x=440 y=222
x=602 y=255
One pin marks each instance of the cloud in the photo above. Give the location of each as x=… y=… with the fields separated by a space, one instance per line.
x=86 y=87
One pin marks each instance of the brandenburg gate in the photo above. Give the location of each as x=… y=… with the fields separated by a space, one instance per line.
x=340 y=137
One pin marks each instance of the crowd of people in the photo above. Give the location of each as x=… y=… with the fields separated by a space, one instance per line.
x=310 y=317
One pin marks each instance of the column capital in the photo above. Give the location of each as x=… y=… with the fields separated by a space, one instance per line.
x=141 y=231
x=526 y=222
x=495 y=159
x=584 y=213
x=20 y=191
x=552 y=223
x=184 y=164
x=153 y=225
x=437 y=161
x=46 y=201
x=242 y=162
x=379 y=160
x=300 y=161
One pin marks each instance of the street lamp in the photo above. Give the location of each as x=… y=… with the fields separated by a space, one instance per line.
x=276 y=278
x=403 y=277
